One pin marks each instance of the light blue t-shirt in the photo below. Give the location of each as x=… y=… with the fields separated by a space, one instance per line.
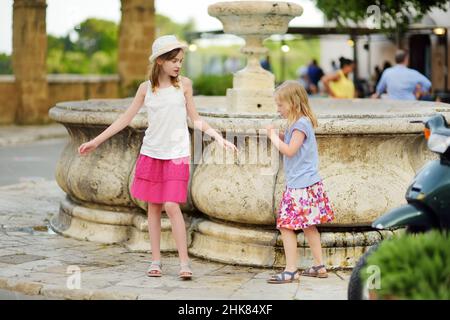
x=302 y=169
x=400 y=82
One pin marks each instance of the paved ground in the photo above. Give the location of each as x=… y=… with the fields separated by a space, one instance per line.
x=31 y=161
x=12 y=295
x=35 y=263
x=17 y=135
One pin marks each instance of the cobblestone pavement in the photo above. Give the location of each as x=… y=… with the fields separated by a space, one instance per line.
x=35 y=261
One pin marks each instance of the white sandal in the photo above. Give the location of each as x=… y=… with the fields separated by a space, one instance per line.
x=155 y=269
x=185 y=271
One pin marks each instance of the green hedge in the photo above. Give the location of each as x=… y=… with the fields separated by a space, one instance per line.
x=212 y=85
x=412 y=266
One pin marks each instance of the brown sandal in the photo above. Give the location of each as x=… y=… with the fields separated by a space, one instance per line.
x=155 y=269
x=314 y=272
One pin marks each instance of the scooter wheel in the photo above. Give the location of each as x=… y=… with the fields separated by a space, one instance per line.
x=356 y=289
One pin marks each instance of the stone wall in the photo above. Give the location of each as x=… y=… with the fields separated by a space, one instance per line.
x=9 y=100
x=60 y=88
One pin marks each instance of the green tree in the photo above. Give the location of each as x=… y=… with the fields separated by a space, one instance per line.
x=5 y=64
x=166 y=26
x=394 y=15
x=96 y=35
x=94 y=49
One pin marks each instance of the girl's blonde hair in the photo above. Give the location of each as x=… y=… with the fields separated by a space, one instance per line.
x=155 y=70
x=296 y=97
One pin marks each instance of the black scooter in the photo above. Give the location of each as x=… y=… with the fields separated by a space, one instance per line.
x=428 y=198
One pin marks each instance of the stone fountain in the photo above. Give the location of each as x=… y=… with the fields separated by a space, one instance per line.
x=254 y=21
x=369 y=151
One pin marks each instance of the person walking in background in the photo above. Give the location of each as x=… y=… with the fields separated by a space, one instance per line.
x=232 y=64
x=302 y=77
x=338 y=84
x=386 y=66
x=265 y=64
x=162 y=168
x=401 y=82
x=315 y=73
x=334 y=67
x=304 y=203
x=375 y=78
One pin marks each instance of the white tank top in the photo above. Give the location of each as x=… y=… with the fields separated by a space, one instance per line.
x=167 y=135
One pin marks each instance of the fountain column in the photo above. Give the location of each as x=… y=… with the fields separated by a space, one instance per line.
x=254 y=21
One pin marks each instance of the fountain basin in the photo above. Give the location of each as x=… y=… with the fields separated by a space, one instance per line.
x=369 y=152
x=255 y=17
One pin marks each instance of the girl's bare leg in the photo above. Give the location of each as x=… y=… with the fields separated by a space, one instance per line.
x=290 y=248
x=313 y=237
x=154 y=229
x=178 y=229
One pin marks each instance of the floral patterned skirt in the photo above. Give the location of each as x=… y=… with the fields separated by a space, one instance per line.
x=305 y=207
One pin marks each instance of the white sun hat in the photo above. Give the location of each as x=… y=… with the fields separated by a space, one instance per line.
x=165 y=44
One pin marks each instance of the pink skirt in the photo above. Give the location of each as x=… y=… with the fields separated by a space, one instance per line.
x=160 y=181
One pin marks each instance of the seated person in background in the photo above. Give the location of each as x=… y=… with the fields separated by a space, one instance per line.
x=422 y=94
x=401 y=82
x=338 y=84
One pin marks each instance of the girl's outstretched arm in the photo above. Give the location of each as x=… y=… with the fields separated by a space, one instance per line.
x=197 y=121
x=120 y=123
x=287 y=149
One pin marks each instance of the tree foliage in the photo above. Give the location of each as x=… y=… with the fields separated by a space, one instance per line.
x=91 y=47
x=166 y=26
x=5 y=64
x=389 y=14
x=96 y=35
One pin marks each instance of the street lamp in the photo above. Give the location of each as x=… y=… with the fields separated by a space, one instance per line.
x=284 y=49
x=192 y=47
x=439 y=31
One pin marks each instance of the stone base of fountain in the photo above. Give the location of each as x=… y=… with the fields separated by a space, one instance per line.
x=127 y=228
x=217 y=241
x=264 y=248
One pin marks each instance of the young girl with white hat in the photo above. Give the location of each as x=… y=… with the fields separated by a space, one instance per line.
x=162 y=168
